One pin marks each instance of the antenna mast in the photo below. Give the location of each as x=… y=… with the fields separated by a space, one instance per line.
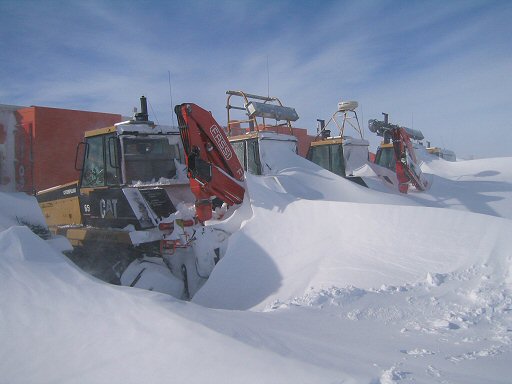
x=268 y=80
x=170 y=96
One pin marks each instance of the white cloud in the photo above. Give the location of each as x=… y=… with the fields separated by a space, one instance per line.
x=110 y=54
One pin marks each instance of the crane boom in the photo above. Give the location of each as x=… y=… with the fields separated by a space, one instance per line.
x=213 y=167
x=406 y=164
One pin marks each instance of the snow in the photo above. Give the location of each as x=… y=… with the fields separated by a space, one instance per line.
x=323 y=281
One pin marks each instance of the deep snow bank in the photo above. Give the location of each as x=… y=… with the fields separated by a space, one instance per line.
x=298 y=178
x=58 y=325
x=441 y=315
x=291 y=245
x=482 y=186
x=19 y=209
x=498 y=168
x=313 y=229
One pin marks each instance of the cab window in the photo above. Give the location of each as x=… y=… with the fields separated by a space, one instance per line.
x=386 y=158
x=112 y=160
x=253 y=157
x=149 y=159
x=93 y=174
x=320 y=156
x=337 y=161
x=248 y=154
x=329 y=157
x=239 y=148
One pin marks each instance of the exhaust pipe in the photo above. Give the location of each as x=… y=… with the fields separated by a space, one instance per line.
x=143 y=114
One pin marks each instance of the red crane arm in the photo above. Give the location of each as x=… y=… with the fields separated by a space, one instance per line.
x=407 y=167
x=213 y=167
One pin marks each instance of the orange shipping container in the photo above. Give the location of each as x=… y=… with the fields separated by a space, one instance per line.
x=46 y=141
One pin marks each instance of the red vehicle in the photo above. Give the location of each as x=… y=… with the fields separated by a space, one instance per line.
x=397 y=154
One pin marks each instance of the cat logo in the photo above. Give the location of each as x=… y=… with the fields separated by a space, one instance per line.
x=108 y=208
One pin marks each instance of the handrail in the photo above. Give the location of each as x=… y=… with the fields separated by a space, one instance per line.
x=253 y=123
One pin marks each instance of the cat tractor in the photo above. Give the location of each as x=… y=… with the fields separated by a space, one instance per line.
x=259 y=127
x=342 y=154
x=396 y=153
x=139 y=214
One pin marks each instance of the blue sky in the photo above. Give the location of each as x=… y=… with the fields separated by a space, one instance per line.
x=444 y=67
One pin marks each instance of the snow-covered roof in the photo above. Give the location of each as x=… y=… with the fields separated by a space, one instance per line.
x=130 y=126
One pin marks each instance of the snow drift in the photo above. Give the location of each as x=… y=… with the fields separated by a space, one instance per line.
x=331 y=283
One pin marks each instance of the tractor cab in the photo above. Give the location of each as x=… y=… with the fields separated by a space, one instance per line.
x=261 y=129
x=397 y=154
x=124 y=155
x=341 y=154
x=132 y=174
x=385 y=156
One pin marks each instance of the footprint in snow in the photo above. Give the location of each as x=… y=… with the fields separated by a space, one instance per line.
x=417 y=352
x=443 y=324
x=392 y=375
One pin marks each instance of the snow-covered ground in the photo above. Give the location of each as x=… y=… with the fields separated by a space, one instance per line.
x=325 y=282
